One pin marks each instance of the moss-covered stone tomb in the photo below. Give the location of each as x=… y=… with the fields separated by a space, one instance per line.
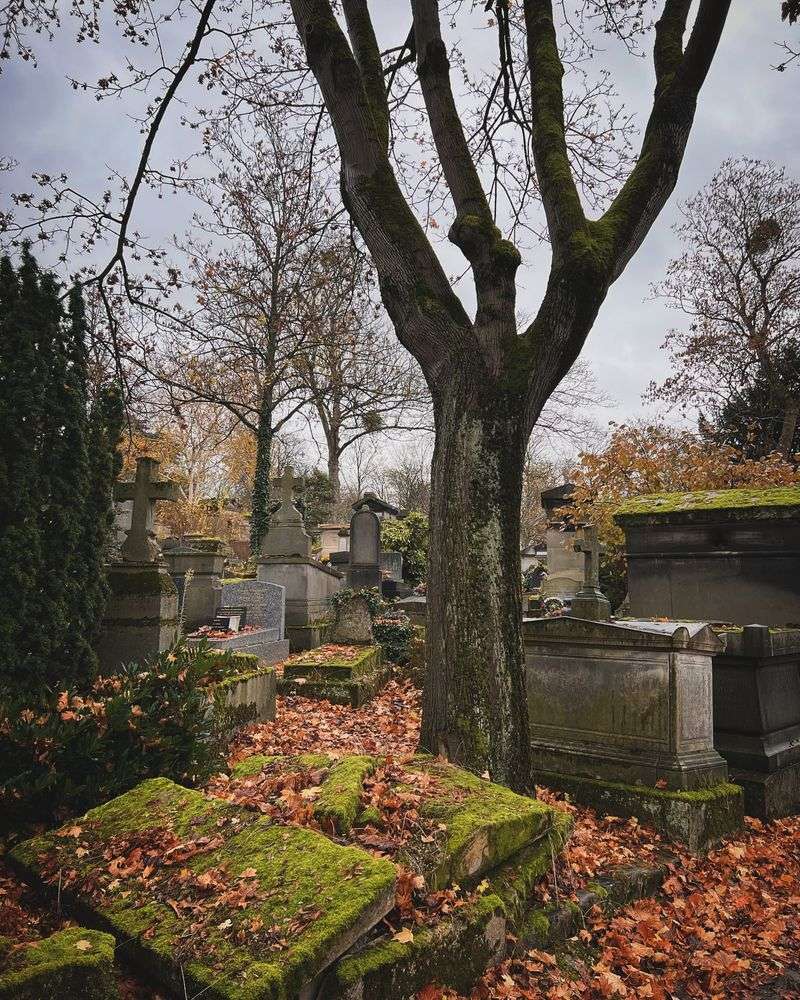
x=300 y=877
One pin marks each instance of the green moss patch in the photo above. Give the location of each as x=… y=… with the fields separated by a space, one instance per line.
x=72 y=963
x=334 y=663
x=339 y=800
x=711 y=500
x=482 y=824
x=241 y=906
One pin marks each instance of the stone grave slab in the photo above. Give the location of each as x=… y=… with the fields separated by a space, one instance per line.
x=75 y=962
x=353 y=622
x=482 y=834
x=364 y=568
x=206 y=897
x=265 y=603
x=344 y=675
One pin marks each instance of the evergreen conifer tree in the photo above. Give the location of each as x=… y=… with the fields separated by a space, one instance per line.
x=58 y=461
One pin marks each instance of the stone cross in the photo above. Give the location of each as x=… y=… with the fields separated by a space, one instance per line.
x=590 y=603
x=591 y=547
x=144 y=491
x=287 y=485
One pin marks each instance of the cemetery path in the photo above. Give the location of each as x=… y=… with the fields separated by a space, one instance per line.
x=725 y=926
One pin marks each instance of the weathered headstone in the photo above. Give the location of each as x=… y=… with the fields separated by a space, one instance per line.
x=590 y=603
x=141 y=613
x=565 y=568
x=364 y=570
x=621 y=717
x=353 y=625
x=196 y=564
x=392 y=565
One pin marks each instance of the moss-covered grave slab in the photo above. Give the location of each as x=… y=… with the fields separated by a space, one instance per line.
x=206 y=896
x=344 y=675
x=71 y=963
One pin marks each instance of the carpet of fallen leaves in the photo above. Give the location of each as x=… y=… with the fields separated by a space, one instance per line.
x=725 y=926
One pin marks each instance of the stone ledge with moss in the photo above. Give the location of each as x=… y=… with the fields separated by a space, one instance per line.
x=779 y=501
x=75 y=962
x=344 y=675
x=698 y=818
x=243 y=908
x=246 y=907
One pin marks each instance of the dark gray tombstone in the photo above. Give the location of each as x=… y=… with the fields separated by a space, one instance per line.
x=364 y=570
x=265 y=603
x=715 y=555
x=757 y=716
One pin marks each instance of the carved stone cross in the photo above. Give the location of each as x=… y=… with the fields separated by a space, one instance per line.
x=591 y=547
x=287 y=485
x=144 y=491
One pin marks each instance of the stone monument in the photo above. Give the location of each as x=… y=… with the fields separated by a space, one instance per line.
x=364 y=568
x=353 y=624
x=733 y=556
x=196 y=565
x=565 y=566
x=620 y=716
x=265 y=634
x=590 y=603
x=141 y=613
x=286 y=560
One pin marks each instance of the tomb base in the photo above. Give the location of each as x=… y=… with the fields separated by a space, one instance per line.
x=352 y=681
x=304 y=637
x=141 y=617
x=757 y=716
x=200 y=592
x=309 y=586
x=697 y=818
x=770 y=796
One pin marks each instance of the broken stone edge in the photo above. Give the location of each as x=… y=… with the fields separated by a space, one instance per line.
x=55 y=968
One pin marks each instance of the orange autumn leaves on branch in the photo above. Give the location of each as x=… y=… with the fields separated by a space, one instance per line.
x=657 y=458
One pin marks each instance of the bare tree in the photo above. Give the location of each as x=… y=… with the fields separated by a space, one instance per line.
x=738 y=281
x=489 y=380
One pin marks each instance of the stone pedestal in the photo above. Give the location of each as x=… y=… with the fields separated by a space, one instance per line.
x=625 y=710
x=564 y=564
x=205 y=558
x=141 y=617
x=716 y=555
x=757 y=716
x=309 y=586
x=590 y=604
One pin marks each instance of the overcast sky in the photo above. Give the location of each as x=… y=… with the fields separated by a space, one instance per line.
x=746 y=108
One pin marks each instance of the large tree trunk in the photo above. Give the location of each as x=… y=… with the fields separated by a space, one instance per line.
x=791 y=414
x=334 y=475
x=474 y=709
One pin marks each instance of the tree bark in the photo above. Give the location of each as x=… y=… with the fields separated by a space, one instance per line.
x=474 y=708
x=791 y=414
x=333 y=476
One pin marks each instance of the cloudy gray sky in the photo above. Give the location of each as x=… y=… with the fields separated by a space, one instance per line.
x=746 y=109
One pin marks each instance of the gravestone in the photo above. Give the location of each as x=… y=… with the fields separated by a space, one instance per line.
x=590 y=603
x=621 y=717
x=265 y=604
x=353 y=624
x=264 y=635
x=565 y=566
x=364 y=569
x=392 y=565
x=287 y=562
x=196 y=563
x=141 y=615
x=720 y=555
x=287 y=535
x=733 y=556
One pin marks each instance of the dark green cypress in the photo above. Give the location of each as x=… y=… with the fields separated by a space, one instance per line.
x=21 y=416
x=105 y=464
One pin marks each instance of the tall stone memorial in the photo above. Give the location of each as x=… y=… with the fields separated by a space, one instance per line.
x=590 y=603
x=286 y=560
x=141 y=617
x=565 y=565
x=732 y=557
